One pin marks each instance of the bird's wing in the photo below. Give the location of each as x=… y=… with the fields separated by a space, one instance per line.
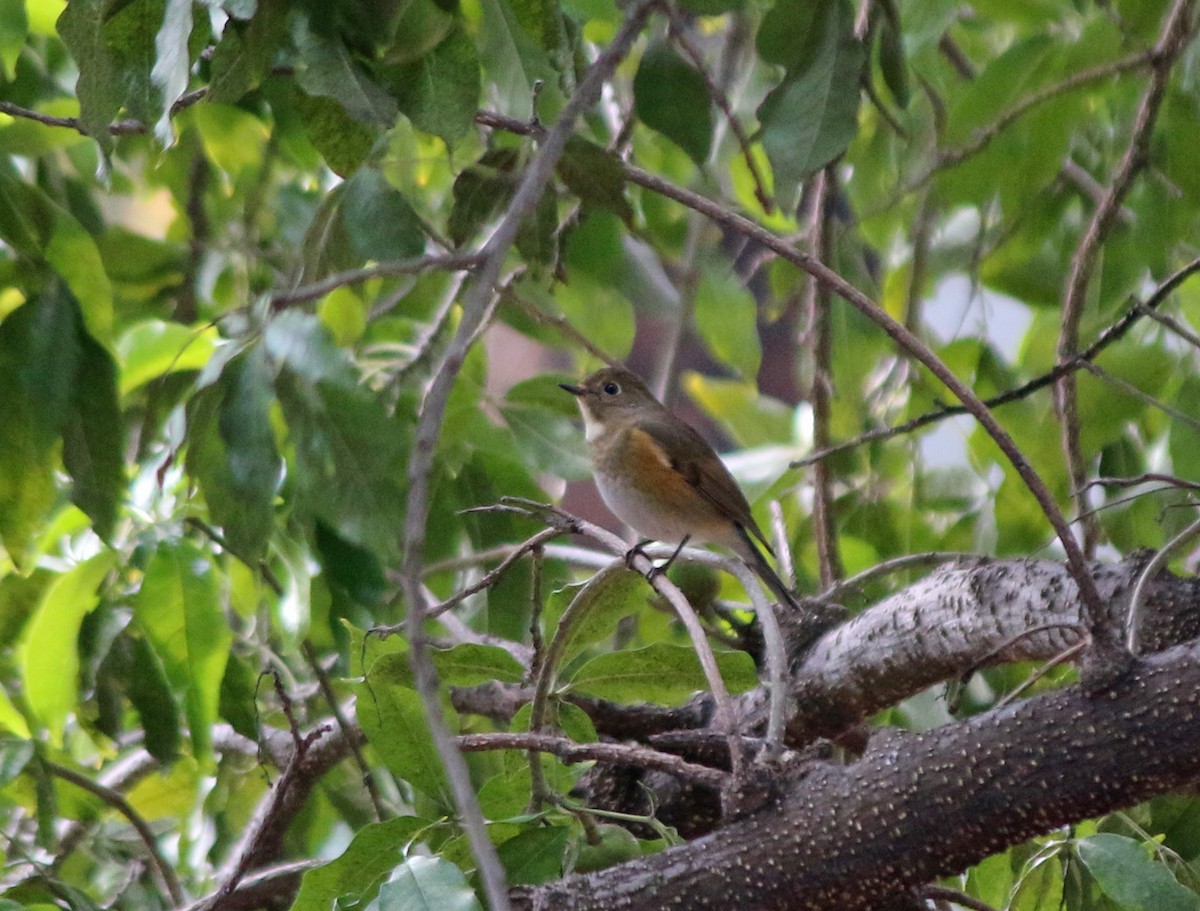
x=709 y=476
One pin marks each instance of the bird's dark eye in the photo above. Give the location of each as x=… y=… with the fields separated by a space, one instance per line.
x=611 y=388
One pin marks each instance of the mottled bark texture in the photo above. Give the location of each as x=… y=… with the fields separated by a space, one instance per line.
x=916 y=806
x=913 y=806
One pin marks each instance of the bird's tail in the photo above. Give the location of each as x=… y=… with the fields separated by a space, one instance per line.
x=754 y=558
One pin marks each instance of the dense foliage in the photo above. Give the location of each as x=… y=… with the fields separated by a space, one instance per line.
x=246 y=415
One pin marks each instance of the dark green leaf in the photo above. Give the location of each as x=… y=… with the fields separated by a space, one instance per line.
x=243 y=56
x=343 y=142
x=14 y=28
x=231 y=452
x=514 y=59
x=179 y=609
x=480 y=191
x=595 y=175
x=428 y=884
x=891 y=60
x=150 y=694
x=349 y=452
x=380 y=223
x=671 y=97
x=39 y=359
x=14 y=756
x=94 y=437
x=535 y=856
x=597 y=606
x=793 y=31
x=1130 y=878
x=353 y=569
x=439 y=92
x=236 y=704
x=376 y=850
x=97 y=88
x=537 y=238
x=809 y=119
x=325 y=69
x=660 y=673
x=711 y=7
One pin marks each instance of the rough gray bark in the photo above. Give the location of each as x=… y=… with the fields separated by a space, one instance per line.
x=916 y=806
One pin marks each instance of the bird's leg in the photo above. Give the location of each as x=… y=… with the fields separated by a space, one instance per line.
x=656 y=571
x=638 y=549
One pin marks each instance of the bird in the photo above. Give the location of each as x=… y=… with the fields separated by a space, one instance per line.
x=660 y=477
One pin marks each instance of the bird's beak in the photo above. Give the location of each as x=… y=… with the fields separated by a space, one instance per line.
x=574 y=390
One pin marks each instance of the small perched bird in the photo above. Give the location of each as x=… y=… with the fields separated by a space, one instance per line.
x=660 y=477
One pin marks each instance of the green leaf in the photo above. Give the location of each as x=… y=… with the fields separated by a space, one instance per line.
x=513 y=59
x=596 y=176
x=470 y=664
x=793 y=31
x=428 y=884
x=393 y=719
x=535 y=855
x=326 y=70
x=352 y=569
x=97 y=88
x=94 y=437
x=480 y=191
x=150 y=694
x=380 y=223
x=1183 y=440
x=39 y=358
x=439 y=92
x=172 y=61
x=242 y=58
x=14 y=28
x=537 y=237
x=1130 y=878
x=726 y=317
x=376 y=850
x=234 y=140
x=343 y=142
x=809 y=119
x=891 y=60
x=48 y=654
x=152 y=348
x=231 y=452
x=597 y=607
x=179 y=609
x=671 y=98
x=14 y=756
x=349 y=452
x=711 y=7
x=659 y=673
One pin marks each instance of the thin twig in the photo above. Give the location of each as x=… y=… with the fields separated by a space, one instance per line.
x=448 y=262
x=1169 y=480
x=1133 y=618
x=477 y=304
x=783 y=551
x=942 y=893
x=1175 y=326
x=1171 y=41
x=117 y=801
x=1062 y=657
x=679 y=32
x=615 y=753
x=559 y=324
x=1129 y=389
x=489 y=579
x=1110 y=335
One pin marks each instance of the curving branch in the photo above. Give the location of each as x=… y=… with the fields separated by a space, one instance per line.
x=1172 y=40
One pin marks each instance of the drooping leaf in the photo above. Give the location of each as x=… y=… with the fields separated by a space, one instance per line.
x=726 y=318
x=172 y=61
x=670 y=97
x=97 y=88
x=242 y=58
x=38 y=366
x=232 y=453
x=480 y=191
x=48 y=654
x=595 y=175
x=14 y=28
x=343 y=142
x=809 y=119
x=94 y=437
x=150 y=694
x=513 y=59
x=179 y=609
x=325 y=69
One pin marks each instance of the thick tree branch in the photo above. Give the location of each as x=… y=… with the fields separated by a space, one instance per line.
x=919 y=806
